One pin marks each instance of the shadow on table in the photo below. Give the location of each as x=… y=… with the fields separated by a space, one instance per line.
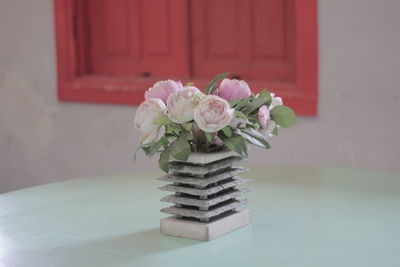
x=120 y=249
x=148 y=242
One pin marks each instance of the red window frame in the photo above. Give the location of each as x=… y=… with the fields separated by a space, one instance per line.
x=74 y=85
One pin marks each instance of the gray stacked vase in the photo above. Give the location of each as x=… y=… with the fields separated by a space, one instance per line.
x=205 y=192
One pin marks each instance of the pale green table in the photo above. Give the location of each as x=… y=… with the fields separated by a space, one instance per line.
x=301 y=217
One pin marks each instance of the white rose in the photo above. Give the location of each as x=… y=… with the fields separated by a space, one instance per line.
x=181 y=104
x=147 y=112
x=146 y=139
x=276 y=101
x=213 y=113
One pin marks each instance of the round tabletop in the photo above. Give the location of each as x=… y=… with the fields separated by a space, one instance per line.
x=301 y=216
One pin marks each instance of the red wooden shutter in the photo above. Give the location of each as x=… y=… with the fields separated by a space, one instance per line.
x=111 y=51
x=252 y=38
x=132 y=38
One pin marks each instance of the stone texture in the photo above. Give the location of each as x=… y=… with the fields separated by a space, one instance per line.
x=201 y=170
x=205 y=158
x=205 y=190
x=203 y=182
x=204 y=231
x=205 y=215
x=204 y=203
x=235 y=181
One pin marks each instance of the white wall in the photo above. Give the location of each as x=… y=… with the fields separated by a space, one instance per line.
x=43 y=140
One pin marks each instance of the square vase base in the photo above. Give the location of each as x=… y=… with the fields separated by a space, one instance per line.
x=204 y=231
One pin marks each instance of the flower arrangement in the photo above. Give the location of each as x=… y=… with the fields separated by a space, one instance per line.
x=177 y=120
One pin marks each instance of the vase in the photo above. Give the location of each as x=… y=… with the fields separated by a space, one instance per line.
x=205 y=196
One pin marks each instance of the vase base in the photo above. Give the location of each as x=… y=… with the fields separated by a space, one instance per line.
x=205 y=231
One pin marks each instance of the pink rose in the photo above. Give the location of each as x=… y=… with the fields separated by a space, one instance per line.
x=162 y=90
x=181 y=104
x=147 y=112
x=233 y=89
x=212 y=113
x=263 y=116
x=267 y=125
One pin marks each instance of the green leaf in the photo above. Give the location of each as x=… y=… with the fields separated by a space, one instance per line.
x=187 y=135
x=213 y=84
x=150 y=150
x=164 y=120
x=236 y=143
x=253 y=119
x=163 y=161
x=241 y=115
x=176 y=130
x=187 y=126
x=189 y=84
x=283 y=116
x=180 y=148
x=234 y=102
x=209 y=137
x=275 y=131
x=249 y=139
x=265 y=95
x=227 y=131
x=242 y=103
x=255 y=137
x=145 y=150
x=173 y=129
x=264 y=98
x=164 y=141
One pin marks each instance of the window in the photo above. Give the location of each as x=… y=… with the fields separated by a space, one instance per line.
x=111 y=51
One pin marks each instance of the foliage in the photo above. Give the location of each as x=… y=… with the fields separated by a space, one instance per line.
x=283 y=116
x=179 y=140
